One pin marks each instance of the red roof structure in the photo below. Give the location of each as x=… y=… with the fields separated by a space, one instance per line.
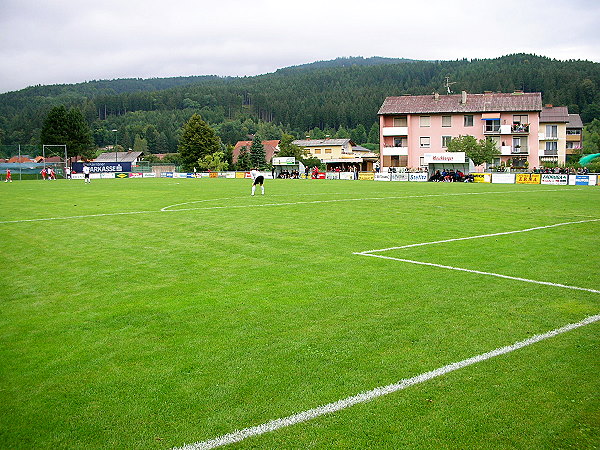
x=271 y=148
x=462 y=103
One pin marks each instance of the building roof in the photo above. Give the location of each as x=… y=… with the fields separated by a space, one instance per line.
x=121 y=156
x=574 y=121
x=271 y=147
x=554 y=114
x=488 y=102
x=20 y=159
x=322 y=142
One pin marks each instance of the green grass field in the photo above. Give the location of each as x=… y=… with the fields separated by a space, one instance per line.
x=124 y=326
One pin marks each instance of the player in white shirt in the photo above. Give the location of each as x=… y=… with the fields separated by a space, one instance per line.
x=257 y=178
x=86 y=173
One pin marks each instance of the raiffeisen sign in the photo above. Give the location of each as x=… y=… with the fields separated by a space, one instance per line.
x=446 y=157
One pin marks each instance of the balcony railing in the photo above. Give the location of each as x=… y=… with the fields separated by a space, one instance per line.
x=550 y=152
x=395 y=131
x=491 y=129
x=394 y=151
x=519 y=128
x=520 y=150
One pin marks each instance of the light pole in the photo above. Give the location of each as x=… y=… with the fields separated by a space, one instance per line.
x=116 y=154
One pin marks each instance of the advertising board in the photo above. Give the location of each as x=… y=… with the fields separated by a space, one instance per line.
x=555 y=178
x=400 y=176
x=582 y=180
x=366 y=176
x=503 y=178
x=99 y=167
x=482 y=177
x=346 y=175
x=382 y=177
x=418 y=176
x=529 y=178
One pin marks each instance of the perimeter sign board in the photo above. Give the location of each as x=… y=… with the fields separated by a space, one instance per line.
x=100 y=167
x=284 y=161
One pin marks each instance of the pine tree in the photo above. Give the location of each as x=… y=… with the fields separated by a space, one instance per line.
x=62 y=127
x=257 y=154
x=197 y=140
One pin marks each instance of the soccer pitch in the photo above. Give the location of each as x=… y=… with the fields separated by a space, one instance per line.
x=155 y=313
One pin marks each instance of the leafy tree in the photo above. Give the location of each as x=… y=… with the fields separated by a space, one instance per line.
x=244 y=162
x=140 y=144
x=197 y=140
x=359 y=134
x=479 y=152
x=214 y=162
x=373 y=137
x=591 y=138
x=62 y=127
x=286 y=148
x=257 y=154
x=342 y=133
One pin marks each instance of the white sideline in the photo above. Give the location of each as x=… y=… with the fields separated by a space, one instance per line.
x=547 y=283
x=310 y=414
x=167 y=210
x=475 y=237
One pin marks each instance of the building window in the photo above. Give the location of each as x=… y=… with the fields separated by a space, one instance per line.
x=521 y=119
x=574 y=132
x=425 y=141
x=492 y=126
x=551 y=131
x=327 y=150
x=468 y=120
x=400 y=121
x=398 y=142
x=317 y=151
x=446 y=121
x=425 y=121
x=551 y=148
x=445 y=141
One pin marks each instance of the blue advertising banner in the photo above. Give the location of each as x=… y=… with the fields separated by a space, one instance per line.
x=100 y=167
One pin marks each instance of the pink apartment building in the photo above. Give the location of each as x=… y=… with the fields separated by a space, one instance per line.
x=412 y=125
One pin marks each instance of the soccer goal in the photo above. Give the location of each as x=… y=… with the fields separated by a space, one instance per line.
x=55 y=155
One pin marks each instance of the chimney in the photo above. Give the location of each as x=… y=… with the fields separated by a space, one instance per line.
x=549 y=105
x=436 y=96
x=463 y=97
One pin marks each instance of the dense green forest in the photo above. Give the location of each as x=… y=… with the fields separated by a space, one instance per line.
x=339 y=97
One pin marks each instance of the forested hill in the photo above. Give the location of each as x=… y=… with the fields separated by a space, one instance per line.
x=346 y=92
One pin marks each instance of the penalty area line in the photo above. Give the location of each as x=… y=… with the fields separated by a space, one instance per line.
x=364 y=397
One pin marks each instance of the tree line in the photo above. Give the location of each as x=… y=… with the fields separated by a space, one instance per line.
x=340 y=99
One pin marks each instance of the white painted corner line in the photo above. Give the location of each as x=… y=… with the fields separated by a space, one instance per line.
x=479 y=272
x=476 y=237
x=364 y=397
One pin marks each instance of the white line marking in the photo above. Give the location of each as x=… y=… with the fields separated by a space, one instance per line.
x=275 y=204
x=364 y=397
x=476 y=237
x=547 y=283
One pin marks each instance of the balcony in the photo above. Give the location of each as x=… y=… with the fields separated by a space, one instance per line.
x=395 y=131
x=553 y=152
x=394 y=151
x=516 y=128
x=520 y=150
x=489 y=128
x=547 y=137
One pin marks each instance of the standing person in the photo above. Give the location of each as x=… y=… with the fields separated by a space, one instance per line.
x=43 y=172
x=257 y=178
x=8 y=176
x=86 y=173
x=52 y=174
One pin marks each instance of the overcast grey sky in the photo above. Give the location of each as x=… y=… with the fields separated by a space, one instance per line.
x=70 y=41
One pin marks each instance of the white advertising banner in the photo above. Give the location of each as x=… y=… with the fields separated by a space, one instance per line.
x=284 y=161
x=446 y=157
x=555 y=178
x=107 y=175
x=418 y=176
x=503 y=178
x=332 y=175
x=582 y=180
x=400 y=176
x=382 y=177
x=149 y=175
x=77 y=176
x=346 y=175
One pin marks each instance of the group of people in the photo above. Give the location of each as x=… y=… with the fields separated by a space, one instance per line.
x=294 y=174
x=564 y=170
x=450 y=176
x=48 y=174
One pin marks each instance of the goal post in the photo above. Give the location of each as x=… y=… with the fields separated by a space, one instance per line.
x=57 y=150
